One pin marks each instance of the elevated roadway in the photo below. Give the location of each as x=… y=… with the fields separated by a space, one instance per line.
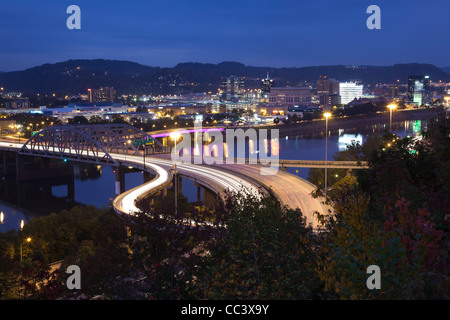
x=291 y=190
x=215 y=180
x=323 y=163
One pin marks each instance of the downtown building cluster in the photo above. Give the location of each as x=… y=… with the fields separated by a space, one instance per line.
x=264 y=103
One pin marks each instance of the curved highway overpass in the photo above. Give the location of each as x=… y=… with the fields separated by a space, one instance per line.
x=212 y=178
x=291 y=190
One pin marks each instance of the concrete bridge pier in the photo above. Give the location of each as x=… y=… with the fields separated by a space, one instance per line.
x=5 y=163
x=119 y=180
x=209 y=198
x=158 y=196
x=20 y=163
x=199 y=192
x=146 y=176
x=8 y=163
x=179 y=184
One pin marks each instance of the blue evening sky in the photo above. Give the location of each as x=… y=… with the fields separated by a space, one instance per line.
x=274 y=33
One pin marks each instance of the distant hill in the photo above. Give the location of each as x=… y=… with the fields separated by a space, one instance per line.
x=76 y=76
x=446 y=69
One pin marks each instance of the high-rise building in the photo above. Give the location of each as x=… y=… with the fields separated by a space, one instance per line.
x=323 y=85
x=325 y=88
x=232 y=87
x=393 y=91
x=419 y=89
x=266 y=84
x=334 y=86
x=349 y=91
x=103 y=94
x=334 y=99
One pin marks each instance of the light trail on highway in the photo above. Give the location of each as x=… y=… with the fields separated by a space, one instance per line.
x=290 y=190
x=217 y=180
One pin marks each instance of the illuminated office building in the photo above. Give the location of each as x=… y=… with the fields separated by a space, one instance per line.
x=327 y=89
x=350 y=91
x=419 y=90
x=291 y=96
x=266 y=85
x=232 y=88
x=104 y=94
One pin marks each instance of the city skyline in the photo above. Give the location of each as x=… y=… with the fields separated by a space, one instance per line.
x=203 y=151
x=288 y=34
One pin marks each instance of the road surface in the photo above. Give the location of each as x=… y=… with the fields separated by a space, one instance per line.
x=291 y=190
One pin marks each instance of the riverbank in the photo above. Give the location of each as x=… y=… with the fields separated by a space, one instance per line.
x=317 y=126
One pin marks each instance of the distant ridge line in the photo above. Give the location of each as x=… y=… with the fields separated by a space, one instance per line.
x=77 y=75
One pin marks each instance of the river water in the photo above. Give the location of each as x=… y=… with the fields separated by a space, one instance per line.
x=94 y=185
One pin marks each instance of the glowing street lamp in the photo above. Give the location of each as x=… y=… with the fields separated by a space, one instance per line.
x=127 y=145
x=391 y=107
x=175 y=136
x=26 y=240
x=326 y=115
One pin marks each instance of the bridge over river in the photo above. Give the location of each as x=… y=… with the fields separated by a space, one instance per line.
x=113 y=145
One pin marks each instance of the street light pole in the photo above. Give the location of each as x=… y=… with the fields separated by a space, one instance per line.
x=127 y=144
x=27 y=240
x=176 y=179
x=327 y=115
x=390 y=121
x=144 y=156
x=175 y=137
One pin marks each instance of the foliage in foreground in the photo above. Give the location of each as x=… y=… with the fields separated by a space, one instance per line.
x=267 y=252
x=393 y=216
x=88 y=237
x=253 y=249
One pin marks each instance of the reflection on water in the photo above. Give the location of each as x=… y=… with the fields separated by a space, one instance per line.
x=10 y=217
x=89 y=185
x=349 y=139
x=94 y=185
x=312 y=146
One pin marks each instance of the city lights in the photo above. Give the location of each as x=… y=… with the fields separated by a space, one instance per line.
x=174 y=151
